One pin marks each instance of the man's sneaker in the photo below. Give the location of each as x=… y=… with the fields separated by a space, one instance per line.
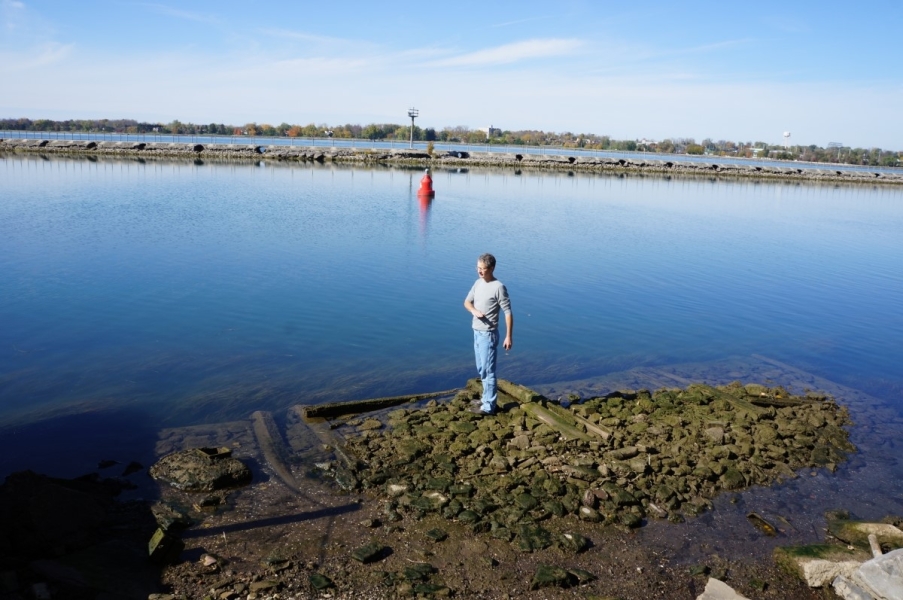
x=478 y=410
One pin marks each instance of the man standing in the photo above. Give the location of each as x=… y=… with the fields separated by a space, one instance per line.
x=486 y=299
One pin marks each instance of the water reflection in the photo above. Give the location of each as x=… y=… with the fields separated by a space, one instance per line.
x=425 y=203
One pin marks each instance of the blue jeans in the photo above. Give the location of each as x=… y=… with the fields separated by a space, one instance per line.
x=485 y=344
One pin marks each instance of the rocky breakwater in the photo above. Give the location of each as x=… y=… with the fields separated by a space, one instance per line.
x=453 y=159
x=616 y=459
x=143 y=149
x=827 y=173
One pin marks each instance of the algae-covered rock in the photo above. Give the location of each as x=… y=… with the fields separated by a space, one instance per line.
x=201 y=470
x=468 y=516
x=169 y=518
x=624 y=456
x=732 y=479
x=526 y=501
x=419 y=571
x=857 y=533
x=551 y=576
x=320 y=582
x=164 y=548
x=819 y=564
x=368 y=553
x=574 y=542
x=530 y=538
x=589 y=514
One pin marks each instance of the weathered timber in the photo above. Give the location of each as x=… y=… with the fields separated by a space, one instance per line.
x=533 y=403
x=780 y=402
x=555 y=421
x=274 y=450
x=762 y=525
x=519 y=392
x=741 y=405
x=330 y=410
x=600 y=430
x=321 y=428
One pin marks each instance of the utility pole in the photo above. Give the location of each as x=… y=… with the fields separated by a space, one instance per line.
x=413 y=113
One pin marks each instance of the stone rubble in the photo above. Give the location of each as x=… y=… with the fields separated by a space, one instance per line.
x=452 y=159
x=662 y=454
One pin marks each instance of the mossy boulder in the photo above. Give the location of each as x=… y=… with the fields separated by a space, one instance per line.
x=202 y=470
x=674 y=449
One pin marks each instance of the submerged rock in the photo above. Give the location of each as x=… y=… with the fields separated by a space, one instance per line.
x=201 y=470
x=617 y=458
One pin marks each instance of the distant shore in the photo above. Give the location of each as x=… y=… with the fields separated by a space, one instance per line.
x=447 y=159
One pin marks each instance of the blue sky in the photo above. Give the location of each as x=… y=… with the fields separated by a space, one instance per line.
x=744 y=71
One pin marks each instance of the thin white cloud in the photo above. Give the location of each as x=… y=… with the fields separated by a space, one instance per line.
x=311 y=66
x=519 y=21
x=179 y=13
x=302 y=36
x=642 y=61
x=714 y=46
x=511 y=53
x=353 y=53
x=11 y=13
x=39 y=56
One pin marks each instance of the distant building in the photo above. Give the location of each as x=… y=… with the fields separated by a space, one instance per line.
x=490 y=131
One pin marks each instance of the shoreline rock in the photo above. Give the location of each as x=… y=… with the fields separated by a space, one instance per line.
x=617 y=459
x=450 y=159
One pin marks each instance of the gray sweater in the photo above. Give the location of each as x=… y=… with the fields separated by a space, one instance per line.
x=489 y=298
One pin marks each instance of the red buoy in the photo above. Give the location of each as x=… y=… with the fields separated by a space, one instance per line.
x=426 y=186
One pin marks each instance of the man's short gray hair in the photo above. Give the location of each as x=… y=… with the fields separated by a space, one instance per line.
x=487 y=260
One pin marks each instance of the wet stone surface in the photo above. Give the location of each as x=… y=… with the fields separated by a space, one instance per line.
x=617 y=459
x=450 y=527
x=201 y=470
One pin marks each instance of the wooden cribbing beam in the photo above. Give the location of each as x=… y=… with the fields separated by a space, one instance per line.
x=518 y=392
x=332 y=410
x=594 y=428
x=321 y=429
x=555 y=421
x=741 y=405
x=274 y=451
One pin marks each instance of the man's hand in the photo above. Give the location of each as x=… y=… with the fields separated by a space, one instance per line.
x=507 y=343
x=472 y=310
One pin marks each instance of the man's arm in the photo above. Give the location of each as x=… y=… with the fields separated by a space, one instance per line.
x=472 y=309
x=509 y=333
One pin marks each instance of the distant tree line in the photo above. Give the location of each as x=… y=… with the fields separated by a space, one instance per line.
x=462 y=134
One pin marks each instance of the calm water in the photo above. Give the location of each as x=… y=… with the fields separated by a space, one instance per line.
x=135 y=296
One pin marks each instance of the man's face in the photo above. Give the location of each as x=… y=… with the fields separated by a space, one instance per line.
x=484 y=272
